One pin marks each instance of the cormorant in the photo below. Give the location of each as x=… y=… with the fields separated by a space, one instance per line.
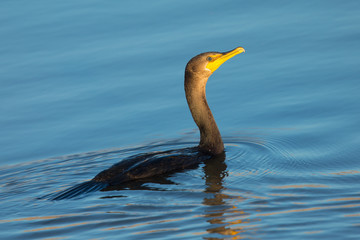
x=197 y=72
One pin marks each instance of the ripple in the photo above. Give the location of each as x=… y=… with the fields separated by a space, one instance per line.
x=263 y=177
x=259 y=156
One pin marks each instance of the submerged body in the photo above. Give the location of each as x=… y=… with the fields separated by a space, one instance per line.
x=141 y=166
x=150 y=164
x=147 y=165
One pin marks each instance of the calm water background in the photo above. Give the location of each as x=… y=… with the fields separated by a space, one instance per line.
x=86 y=83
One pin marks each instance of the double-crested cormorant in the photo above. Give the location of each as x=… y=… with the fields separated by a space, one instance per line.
x=197 y=72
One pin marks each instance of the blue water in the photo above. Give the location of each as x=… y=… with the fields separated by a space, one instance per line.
x=85 y=84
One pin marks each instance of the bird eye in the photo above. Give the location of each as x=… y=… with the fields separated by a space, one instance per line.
x=209 y=58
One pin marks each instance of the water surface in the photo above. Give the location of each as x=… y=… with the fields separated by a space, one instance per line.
x=85 y=84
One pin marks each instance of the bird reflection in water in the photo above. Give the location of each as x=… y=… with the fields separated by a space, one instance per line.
x=219 y=209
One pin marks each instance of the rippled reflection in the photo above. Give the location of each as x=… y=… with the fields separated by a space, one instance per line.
x=225 y=219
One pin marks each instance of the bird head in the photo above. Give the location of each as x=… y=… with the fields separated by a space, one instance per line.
x=207 y=63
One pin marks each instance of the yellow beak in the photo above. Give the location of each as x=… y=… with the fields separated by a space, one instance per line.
x=218 y=59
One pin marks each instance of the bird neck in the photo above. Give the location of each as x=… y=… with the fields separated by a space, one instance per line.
x=210 y=138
